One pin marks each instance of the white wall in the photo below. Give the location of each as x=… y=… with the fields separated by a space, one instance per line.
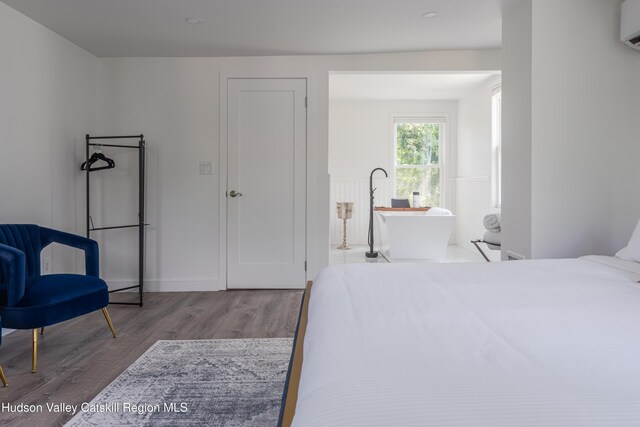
x=474 y=129
x=47 y=99
x=361 y=139
x=583 y=111
x=516 y=127
x=175 y=105
x=176 y=102
x=473 y=185
x=585 y=128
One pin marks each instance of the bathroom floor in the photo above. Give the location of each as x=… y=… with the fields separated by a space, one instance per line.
x=357 y=254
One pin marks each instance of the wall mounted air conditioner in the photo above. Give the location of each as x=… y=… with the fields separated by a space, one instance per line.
x=630 y=23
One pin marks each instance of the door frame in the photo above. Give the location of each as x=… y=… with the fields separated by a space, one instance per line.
x=223 y=169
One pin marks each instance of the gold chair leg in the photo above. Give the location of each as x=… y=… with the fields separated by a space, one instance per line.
x=34 y=356
x=106 y=316
x=3 y=378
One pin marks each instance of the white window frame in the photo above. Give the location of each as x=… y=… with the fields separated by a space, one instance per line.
x=496 y=147
x=442 y=164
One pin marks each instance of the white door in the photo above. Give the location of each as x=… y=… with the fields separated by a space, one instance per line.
x=266 y=183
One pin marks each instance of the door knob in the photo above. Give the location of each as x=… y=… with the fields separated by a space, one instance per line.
x=233 y=193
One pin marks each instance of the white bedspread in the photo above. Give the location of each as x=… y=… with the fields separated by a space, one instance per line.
x=523 y=343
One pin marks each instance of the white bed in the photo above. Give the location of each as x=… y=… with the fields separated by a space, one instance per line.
x=526 y=343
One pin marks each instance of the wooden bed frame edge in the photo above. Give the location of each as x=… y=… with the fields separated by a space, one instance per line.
x=291 y=397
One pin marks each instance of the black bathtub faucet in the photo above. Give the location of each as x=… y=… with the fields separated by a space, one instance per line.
x=372 y=253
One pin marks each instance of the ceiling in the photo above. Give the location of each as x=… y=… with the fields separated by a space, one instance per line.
x=404 y=86
x=267 y=27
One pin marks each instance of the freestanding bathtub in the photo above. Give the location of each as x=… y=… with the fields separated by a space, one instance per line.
x=414 y=235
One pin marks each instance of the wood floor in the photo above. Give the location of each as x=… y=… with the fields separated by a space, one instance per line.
x=78 y=358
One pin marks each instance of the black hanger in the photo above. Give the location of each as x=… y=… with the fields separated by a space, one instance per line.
x=96 y=157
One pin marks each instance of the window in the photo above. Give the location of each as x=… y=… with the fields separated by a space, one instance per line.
x=496 y=147
x=419 y=144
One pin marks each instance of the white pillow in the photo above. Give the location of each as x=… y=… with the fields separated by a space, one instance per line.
x=632 y=251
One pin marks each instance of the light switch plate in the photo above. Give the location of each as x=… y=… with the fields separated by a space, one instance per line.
x=206 y=167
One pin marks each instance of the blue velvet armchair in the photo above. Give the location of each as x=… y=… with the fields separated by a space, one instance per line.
x=29 y=300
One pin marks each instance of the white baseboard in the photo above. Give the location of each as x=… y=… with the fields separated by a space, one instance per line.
x=169 y=285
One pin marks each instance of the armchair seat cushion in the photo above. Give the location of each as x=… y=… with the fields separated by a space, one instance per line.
x=55 y=298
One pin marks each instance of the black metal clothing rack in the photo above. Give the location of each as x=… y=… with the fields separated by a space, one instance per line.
x=140 y=146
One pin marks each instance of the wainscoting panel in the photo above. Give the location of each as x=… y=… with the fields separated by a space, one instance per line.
x=357 y=191
x=473 y=202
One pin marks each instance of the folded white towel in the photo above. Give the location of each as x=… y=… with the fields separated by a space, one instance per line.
x=492 y=237
x=492 y=222
x=438 y=212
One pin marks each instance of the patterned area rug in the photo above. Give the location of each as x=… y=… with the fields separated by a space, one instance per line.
x=235 y=382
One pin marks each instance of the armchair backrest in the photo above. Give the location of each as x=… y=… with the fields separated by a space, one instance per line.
x=25 y=238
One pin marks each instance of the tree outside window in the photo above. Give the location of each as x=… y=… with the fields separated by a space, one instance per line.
x=418 y=160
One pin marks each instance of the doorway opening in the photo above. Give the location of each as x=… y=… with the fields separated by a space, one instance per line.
x=436 y=134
